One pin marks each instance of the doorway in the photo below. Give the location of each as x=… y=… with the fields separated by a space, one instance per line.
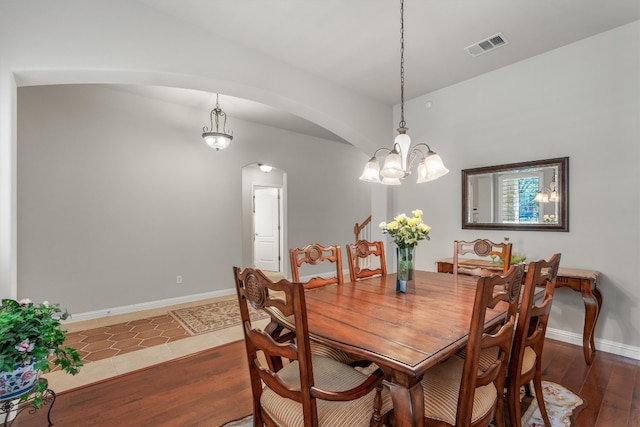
x=267 y=226
x=265 y=192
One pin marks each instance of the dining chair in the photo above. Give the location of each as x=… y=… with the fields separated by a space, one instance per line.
x=315 y=254
x=290 y=385
x=526 y=354
x=359 y=252
x=481 y=248
x=456 y=392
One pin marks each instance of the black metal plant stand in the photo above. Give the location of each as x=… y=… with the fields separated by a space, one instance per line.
x=48 y=397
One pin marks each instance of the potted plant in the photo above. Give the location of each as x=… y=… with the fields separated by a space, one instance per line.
x=31 y=341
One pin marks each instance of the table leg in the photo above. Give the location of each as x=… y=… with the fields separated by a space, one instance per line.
x=408 y=405
x=592 y=304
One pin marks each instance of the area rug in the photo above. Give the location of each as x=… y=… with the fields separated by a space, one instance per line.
x=242 y=422
x=212 y=317
x=559 y=401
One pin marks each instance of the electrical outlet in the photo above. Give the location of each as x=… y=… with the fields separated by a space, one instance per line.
x=178 y=279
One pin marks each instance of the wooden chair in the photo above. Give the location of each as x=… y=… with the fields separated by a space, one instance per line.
x=481 y=248
x=458 y=393
x=315 y=254
x=358 y=252
x=526 y=355
x=296 y=387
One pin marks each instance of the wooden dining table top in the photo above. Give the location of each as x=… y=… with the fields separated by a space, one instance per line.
x=405 y=333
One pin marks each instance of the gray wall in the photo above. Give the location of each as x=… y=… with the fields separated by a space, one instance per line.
x=118 y=195
x=581 y=101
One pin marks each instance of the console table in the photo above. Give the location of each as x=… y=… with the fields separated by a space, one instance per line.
x=583 y=281
x=46 y=397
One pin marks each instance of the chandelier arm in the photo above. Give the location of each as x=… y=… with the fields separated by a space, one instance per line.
x=214 y=113
x=422 y=144
x=413 y=154
x=375 y=154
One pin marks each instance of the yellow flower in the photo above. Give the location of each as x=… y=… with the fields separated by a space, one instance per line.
x=401 y=218
x=407 y=231
x=424 y=228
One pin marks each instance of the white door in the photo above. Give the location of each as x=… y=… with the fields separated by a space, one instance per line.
x=266 y=226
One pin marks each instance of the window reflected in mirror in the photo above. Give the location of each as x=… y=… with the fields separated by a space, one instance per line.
x=521 y=196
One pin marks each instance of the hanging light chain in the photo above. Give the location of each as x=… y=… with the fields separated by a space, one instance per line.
x=402 y=123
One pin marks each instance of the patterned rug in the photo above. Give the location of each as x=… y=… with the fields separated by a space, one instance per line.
x=212 y=317
x=559 y=401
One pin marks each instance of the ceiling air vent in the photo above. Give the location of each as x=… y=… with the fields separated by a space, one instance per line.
x=487 y=44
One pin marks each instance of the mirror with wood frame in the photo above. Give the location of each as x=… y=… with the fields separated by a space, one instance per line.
x=518 y=196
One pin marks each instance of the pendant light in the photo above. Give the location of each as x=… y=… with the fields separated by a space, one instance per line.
x=400 y=158
x=218 y=140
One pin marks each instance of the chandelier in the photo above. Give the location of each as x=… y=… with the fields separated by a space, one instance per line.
x=400 y=158
x=218 y=140
x=550 y=195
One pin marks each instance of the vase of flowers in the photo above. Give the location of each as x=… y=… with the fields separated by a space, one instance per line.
x=406 y=233
x=31 y=341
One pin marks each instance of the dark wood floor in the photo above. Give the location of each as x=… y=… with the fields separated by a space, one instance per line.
x=212 y=387
x=610 y=386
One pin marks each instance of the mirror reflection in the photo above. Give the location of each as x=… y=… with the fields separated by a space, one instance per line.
x=521 y=196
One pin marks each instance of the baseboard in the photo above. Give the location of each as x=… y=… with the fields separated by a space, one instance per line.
x=107 y=312
x=607 y=346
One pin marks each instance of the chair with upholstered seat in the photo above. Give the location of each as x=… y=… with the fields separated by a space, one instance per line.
x=360 y=252
x=526 y=355
x=294 y=387
x=483 y=248
x=315 y=254
x=457 y=392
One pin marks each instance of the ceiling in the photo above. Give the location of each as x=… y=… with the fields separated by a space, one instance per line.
x=356 y=43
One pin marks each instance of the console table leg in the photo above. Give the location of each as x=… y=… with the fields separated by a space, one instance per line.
x=592 y=303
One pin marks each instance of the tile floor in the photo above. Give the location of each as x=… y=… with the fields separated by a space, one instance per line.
x=121 y=338
x=149 y=337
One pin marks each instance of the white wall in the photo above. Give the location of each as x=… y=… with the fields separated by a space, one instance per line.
x=115 y=199
x=581 y=101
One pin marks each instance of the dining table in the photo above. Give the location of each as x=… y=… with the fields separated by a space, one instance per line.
x=405 y=334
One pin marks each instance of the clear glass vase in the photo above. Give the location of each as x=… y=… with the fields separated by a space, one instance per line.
x=405 y=269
